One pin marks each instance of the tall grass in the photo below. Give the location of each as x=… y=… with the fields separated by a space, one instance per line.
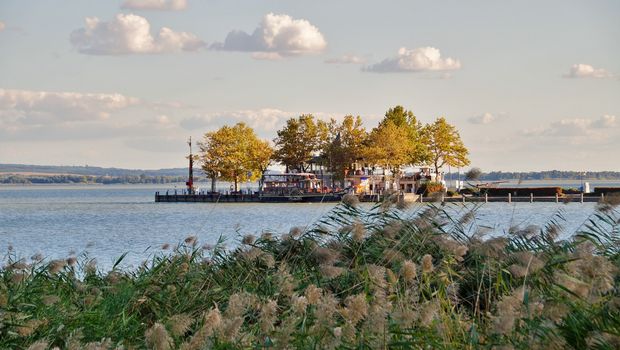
x=357 y=279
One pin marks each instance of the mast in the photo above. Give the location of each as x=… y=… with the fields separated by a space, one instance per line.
x=190 y=180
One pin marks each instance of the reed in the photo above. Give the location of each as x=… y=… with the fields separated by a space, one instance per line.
x=358 y=279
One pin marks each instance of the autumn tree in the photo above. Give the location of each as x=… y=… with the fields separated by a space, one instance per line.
x=445 y=145
x=299 y=141
x=345 y=146
x=402 y=118
x=396 y=141
x=261 y=155
x=234 y=154
x=388 y=146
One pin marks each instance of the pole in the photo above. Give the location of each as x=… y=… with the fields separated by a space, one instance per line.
x=190 y=180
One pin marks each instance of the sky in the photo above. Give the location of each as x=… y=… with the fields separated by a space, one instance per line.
x=530 y=85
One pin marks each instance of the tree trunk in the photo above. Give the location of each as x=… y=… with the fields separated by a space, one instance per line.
x=236 y=184
x=213 y=179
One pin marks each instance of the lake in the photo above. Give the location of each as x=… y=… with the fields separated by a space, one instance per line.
x=107 y=221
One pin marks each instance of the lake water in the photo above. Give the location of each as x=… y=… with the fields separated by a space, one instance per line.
x=107 y=221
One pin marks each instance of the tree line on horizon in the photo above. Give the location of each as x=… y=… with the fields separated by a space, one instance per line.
x=236 y=154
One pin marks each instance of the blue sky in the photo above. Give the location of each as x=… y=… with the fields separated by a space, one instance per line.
x=531 y=85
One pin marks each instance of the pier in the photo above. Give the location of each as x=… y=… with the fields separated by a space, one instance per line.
x=255 y=197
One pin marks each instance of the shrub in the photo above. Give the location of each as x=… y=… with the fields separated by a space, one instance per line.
x=434 y=187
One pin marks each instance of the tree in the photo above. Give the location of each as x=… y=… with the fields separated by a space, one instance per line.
x=345 y=146
x=396 y=141
x=403 y=118
x=388 y=146
x=234 y=154
x=261 y=154
x=445 y=145
x=298 y=141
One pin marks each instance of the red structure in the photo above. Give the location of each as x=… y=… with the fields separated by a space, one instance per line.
x=190 y=180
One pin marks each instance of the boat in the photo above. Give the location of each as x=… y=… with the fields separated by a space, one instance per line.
x=296 y=187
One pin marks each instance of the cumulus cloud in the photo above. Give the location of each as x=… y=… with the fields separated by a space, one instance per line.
x=346 y=59
x=576 y=127
x=582 y=70
x=420 y=59
x=606 y=121
x=162 y=5
x=130 y=34
x=276 y=36
x=264 y=120
x=34 y=107
x=486 y=118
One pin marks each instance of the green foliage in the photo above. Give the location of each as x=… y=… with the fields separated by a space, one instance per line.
x=299 y=141
x=345 y=145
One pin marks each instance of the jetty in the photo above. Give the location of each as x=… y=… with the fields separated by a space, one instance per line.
x=257 y=197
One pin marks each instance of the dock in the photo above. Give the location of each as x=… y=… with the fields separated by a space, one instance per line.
x=333 y=198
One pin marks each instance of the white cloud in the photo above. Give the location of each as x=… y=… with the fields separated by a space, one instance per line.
x=576 y=128
x=164 y=5
x=130 y=34
x=606 y=121
x=487 y=118
x=276 y=36
x=264 y=120
x=582 y=70
x=415 y=60
x=346 y=59
x=39 y=107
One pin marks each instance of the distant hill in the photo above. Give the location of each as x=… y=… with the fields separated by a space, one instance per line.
x=91 y=170
x=26 y=174
x=53 y=174
x=546 y=175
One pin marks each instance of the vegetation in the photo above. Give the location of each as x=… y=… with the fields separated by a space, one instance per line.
x=358 y=279
x=234 y=154
x=345 y=145
x=388 y=146
x=399 y=140
x=88 y=179
x=445 y=146
x=299 y=141
x=88 y=170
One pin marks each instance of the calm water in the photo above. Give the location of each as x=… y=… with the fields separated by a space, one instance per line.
x=107 y=221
